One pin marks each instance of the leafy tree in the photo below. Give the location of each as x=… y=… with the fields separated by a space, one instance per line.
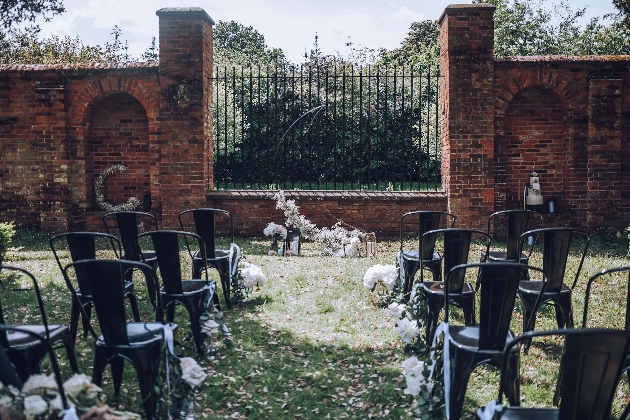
x=420 y=49
x=235 y=43
x=14 y=13
x=527 y=27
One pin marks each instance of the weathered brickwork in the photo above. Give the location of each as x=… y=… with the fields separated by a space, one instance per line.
x=568 y=118
x=564 y=117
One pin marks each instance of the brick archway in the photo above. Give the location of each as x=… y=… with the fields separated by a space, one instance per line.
x=125 y=95
x=536 y=128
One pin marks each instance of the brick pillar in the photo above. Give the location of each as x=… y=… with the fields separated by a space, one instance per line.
x=185 y=112
x=604 y=152
x=467 y=111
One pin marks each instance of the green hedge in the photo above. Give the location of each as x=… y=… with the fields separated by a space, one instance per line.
x=7 y=232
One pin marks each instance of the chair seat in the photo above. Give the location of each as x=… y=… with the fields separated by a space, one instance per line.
x=190 y=287
x=437 y=288
x=415 y=255
x=532 y=286
x=219 y=254
x=140 y=333
x=467 y=338
x=502 y=256
x=524 y=413
x=19 y=339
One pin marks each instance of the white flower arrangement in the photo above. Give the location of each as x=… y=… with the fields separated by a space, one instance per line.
x=210 y=327
x=252 y=275
x=407 y=330
x=308 y=230
x=386 y=274
x=414 y=373
x=275 y=229
x=192 y=373
x=396 y=310
x=131 y=204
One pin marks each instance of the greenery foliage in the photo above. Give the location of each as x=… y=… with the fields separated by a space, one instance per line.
x=7 y=232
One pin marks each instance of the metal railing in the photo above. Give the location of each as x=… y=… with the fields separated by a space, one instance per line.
x=326 y=128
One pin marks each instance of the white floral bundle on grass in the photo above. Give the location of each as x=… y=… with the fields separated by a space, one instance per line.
x=246 y=277
x=40 y=399
x=385 y=274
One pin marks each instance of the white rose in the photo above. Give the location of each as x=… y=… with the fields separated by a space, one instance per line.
x=412 y=367
x=192 y=372
x=252 y=275
x=34 y=405
x=56 y=404
x=407 y=330
x=210 y=327
x=395 y=310
x=413 y=385
x=36 y=384
x=6 y=401
x=80 y=382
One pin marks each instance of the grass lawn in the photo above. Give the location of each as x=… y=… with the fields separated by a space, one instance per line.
x=312 y=343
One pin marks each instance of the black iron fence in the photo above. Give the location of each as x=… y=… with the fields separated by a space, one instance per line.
x=330 y=128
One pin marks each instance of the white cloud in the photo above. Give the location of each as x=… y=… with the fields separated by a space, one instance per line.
x=408 y=15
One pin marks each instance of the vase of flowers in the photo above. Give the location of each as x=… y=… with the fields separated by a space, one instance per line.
x=278 y=233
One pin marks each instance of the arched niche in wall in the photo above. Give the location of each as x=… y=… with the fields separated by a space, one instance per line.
x=534 y=140
x=118 y=133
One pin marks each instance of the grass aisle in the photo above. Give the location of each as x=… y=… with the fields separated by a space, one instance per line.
x=312 y=343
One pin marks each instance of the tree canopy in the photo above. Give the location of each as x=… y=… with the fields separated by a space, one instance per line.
x=14 y=13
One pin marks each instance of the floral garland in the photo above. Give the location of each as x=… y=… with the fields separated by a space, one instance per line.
x=245 y=278
x=424 y=378
x=336 y=241
x=131 y=204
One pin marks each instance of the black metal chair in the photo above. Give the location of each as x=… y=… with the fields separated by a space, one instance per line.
x=16 y=310
x=557 y=243
x=88 y=246
x=9 y=374
x=471 y=346
x=414 y=260
x=139 y=343
x=204 y=221
x=456 y=251
x=591 y=365
x=194 y=294
x=511 y=224
x=129 y=224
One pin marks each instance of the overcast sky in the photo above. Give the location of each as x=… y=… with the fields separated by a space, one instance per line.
x=287 y=24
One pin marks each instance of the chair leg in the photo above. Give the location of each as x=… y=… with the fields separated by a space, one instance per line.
x=69 y=347
x=461 y=367
x=434 y=306
x=100 y=361
x=85 y=320
x=468 y=307
x=513 y=385
x=134 y=306
x=564 y=311
x=410 y=268
x=75 y=313
x=118 y=365
x=225 y=284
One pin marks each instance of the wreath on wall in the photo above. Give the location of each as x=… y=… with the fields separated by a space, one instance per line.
x=131 y=204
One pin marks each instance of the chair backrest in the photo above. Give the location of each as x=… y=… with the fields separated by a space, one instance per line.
x=168 y=245
x=557 y=243
x=10 y=280
x=600 y=275
x=499 y=284
x=427 y=220
x=83 y=246
x=106 y=280
x=205 y=225
x=8 y=374
x=128 y=224
x=516 y=222
x=591 y=365
x=457 y=250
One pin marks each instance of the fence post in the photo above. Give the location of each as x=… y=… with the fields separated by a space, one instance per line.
x=467 y=104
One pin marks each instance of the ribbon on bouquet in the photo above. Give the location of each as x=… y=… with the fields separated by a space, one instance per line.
x=401 y=268
x=235 y=255
x=212 y=287
x=70 y=413
x=167 y=333
x=443 y=328
x=489 y=411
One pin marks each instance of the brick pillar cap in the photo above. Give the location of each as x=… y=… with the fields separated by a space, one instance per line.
x=188 y=12
x=468 y=7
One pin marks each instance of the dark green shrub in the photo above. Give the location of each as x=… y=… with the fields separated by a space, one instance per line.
x=7 y=232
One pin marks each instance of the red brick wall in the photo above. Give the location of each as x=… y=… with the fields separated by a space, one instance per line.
x=534 y=140
x=370 y=211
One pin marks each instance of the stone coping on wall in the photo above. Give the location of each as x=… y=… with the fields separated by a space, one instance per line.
x=79 y=66
x=324 y=194
x=564 y=58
